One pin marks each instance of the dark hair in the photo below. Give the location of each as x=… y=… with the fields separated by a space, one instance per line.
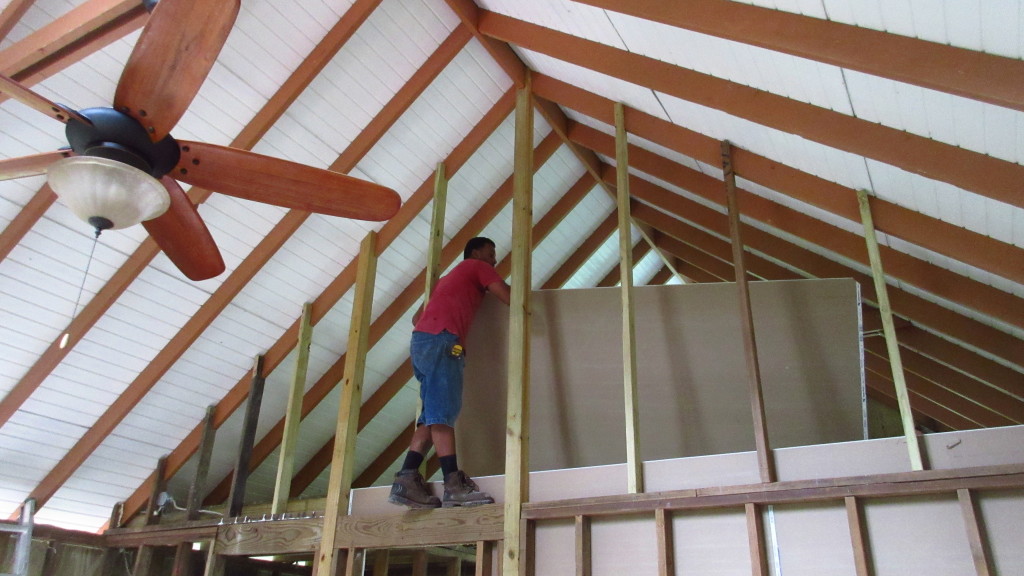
x=476 y=244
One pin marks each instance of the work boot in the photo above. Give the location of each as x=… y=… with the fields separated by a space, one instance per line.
x=410 y=489
x=460 y=490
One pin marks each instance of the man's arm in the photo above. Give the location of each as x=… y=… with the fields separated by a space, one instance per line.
x=501 y=290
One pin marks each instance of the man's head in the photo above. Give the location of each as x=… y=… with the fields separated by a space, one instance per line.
x=480 y=248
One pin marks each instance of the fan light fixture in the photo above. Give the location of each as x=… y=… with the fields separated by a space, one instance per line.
x=107 y=194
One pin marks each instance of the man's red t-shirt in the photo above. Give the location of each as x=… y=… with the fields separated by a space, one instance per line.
x=456 y=298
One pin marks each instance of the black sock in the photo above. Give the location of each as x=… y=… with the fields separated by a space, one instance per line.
x=412 y=460
x=449 y=464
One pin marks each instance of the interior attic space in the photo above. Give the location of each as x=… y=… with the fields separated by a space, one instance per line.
x=764 y=264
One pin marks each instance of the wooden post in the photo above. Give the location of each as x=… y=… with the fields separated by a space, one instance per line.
x=975 y=533
x=666 y=542
x=484 y=559
x=582 y=546
x=236 y=500
x=889 y=329
x=293 y=414
x=634 y=462
x=214 y=562
x=182 y=560
x=436 y=231
x=755 y=539
x=195 y=491
x=157 y=488
x=420 y=561
x=517 y=427
x=381 y=559
x=858 y=538
x=765 y=460
x=343 y=460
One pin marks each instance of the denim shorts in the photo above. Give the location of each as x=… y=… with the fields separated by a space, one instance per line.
x=440 y=376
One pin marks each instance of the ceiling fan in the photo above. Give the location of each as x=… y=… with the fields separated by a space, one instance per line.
x=129 y=145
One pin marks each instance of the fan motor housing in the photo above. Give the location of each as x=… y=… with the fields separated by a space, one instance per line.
x=117 y=136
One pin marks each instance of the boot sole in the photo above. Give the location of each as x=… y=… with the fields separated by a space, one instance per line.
x=465 y=504
x=402 y=501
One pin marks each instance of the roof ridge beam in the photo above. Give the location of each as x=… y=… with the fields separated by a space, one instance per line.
x=972 y=171
x=968 y=73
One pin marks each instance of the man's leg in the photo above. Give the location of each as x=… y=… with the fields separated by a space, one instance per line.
x=409 y=487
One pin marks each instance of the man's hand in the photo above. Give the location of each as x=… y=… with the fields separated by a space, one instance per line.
x=501 y=290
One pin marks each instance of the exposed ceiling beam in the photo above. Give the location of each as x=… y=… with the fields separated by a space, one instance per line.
x=969 y=73
x=879 y=380
x=583 y=253
x=26 y=219
x=12 y=14
x=82 y=31
x=958 y=289
x=973 y=171
x=984 y=252
x=640 y=249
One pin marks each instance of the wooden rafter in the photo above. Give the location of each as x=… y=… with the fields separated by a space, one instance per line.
x=940 y=281
x=974 y=171
x=968 y=73
x=949 y=240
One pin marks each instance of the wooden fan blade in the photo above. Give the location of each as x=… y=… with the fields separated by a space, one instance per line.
x=182 y=235
x=19 y=92
x=31 y=165
x=174 y=54
x=282 y=183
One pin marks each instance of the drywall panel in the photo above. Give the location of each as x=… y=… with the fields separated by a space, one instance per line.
x=692 y=377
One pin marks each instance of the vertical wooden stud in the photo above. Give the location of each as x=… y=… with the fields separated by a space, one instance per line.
x=889 y=330
x=420 y=560
x=236 y=500
x=293 y=414
x=484 y=558
x=582 y=546
x=381 y=560
x=859 y=537
x=666 y=542
x=157 y=488
x=182 y=560
x=755 y=538
x=765 y=460
x=214 y=561
x=343 y=461
x=196 y=489
x=354 y=561
x=976 y=536
x=634 y=463
x=436 y=231
x=517 y=424
x=143 y=561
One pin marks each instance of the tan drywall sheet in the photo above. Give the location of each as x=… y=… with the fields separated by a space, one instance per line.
x=922 y=535
x=1002 y=515
x=808 y=539
x=556 y=545
x=692 y=378
x=712 y=543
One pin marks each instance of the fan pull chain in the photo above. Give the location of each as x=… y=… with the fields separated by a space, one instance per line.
x=67 y=335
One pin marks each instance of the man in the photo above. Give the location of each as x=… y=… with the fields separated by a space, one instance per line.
x=438 y=358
